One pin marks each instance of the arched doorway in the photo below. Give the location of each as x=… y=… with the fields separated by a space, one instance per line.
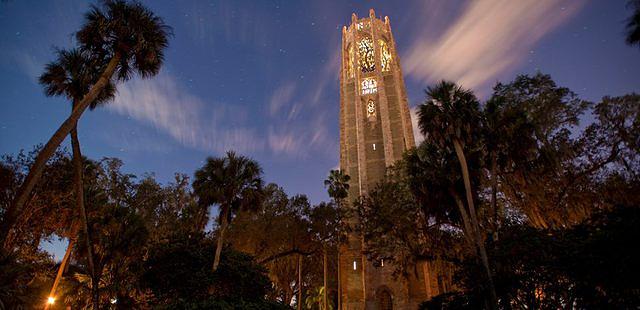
x=384 y=299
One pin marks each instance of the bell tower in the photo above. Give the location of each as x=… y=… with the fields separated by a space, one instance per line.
x=375 y=131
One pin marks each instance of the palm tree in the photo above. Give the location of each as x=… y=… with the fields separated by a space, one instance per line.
x=337 y=185
x=450 y=115
x=71 y=75
x=233 y=183
x=123 y=38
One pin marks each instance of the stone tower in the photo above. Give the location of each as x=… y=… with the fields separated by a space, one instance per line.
x=375 y=130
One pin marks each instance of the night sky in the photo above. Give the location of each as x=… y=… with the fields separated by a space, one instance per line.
x=261 y=77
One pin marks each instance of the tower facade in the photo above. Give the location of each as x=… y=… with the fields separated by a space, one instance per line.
x=375 y=131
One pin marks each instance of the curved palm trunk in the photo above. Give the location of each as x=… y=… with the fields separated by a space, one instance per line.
x=468 y=231
x=224 y=222
x=474 y=221
x=63 y=264
x=41 y=160
x=82 y=212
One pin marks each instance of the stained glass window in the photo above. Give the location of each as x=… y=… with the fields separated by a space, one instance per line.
x=369 y=86
x=371 y=111
x=385 y=56
x=365 y=55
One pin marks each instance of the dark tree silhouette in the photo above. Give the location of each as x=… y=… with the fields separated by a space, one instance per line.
x=125 y=38
x=233 y=183
x=72 y=75
x=451 y=116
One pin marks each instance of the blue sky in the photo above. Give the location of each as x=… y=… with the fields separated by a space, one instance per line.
x=260 y=77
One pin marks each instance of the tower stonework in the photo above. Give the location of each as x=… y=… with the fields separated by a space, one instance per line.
x=375 y=131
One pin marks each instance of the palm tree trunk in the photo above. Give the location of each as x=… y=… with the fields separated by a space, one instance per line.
x=469 y=233
x=24 y=192
x=324 y=267
x=63 y=263
x=78 y=182
x=474 y=220
x=224 y=214
x=299 y=301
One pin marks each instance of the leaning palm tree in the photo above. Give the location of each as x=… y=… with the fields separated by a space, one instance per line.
x=451 y=116
x=124 y=38
x=72 y=75
x=232 y=183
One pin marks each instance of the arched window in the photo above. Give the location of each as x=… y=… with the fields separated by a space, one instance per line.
x=365 y=55
x=369 y=86
x=384 y=300
x=385 y=56
x=371 y=110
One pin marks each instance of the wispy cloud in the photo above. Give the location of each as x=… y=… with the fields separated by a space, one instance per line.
x=164 y=104
x=280 y=97
x=299 y=112
x=301 y=130
x=488 y=38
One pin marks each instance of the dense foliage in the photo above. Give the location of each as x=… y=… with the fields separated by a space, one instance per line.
x=151 y=249
x=548 y=193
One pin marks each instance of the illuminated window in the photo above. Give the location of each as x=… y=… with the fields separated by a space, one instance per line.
x=371 y=111
x=365 y=55
x=362 y=25
x=374 y=146
x=355 y=265
x=350 y=62
x=369 y=86
x=385 y=56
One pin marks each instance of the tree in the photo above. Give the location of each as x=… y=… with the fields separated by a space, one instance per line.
x=52 y=206
x=233 y=183
x=276 y=234
x=178 y=272
x=337 y=185
x=411 y=219
x=633 y=23
x=450 y=115
x=124 y=38
x=324 y=227
x=24 y=270
x=508 y=144
x=118 y=248
x=538 y=165
x=72 y=75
